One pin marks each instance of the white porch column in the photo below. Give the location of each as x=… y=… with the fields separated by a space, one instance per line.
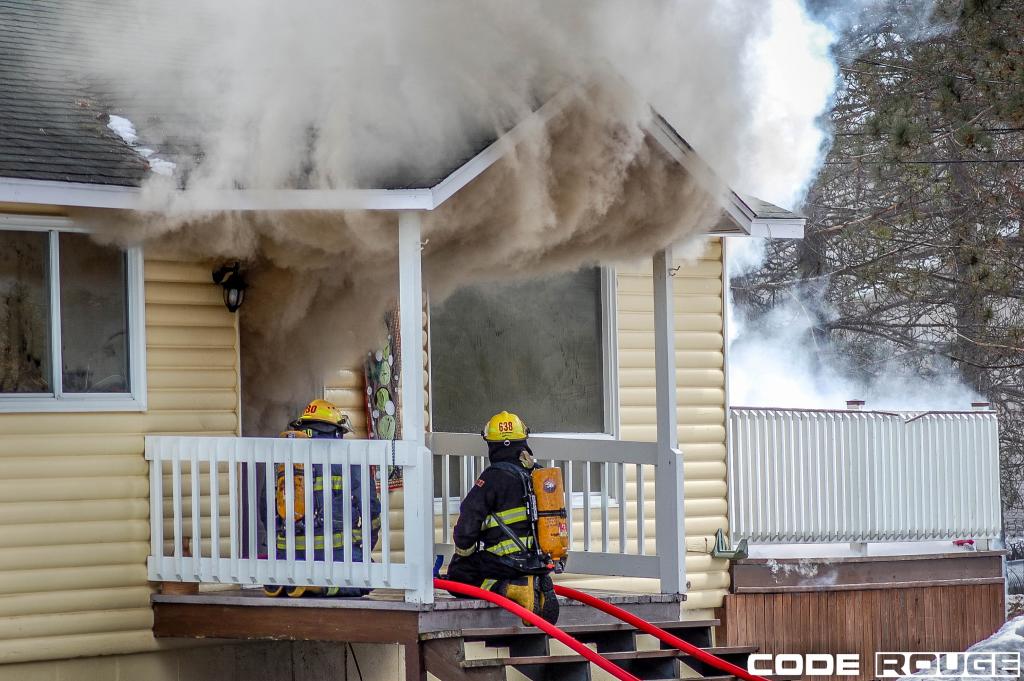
x=410 y=325
x=419 y=495
x=670 y=540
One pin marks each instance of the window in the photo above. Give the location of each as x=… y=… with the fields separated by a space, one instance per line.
x=70 y=320
x=539 y=349
x=542 y=349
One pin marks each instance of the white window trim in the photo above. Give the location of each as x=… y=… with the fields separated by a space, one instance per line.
x=610 y=343
x=58 y=401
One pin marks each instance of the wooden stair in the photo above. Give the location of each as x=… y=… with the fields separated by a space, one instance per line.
x=528 y=650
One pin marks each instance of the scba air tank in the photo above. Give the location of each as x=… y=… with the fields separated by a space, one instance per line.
x=552 y=530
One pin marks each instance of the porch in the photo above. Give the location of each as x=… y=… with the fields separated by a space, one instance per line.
x=212 y=504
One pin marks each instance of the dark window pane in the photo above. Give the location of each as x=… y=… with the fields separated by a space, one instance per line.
x=24 y=313
x=534 y=349
x=94 y=317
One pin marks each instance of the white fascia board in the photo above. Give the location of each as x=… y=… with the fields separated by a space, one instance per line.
x=35 y=223
x=778 y=229
x=47 y=192
x=305 y=199
x=81 y=195
x=472 y=168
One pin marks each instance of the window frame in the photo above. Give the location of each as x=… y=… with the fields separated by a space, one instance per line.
x=59 y=401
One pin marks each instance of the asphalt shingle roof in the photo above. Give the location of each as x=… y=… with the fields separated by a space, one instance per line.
x=51 y=126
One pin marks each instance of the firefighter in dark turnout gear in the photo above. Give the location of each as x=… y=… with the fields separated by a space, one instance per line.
x=495 y=540
x=321 y=419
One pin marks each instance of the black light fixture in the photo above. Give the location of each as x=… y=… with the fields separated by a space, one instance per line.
x=229 y=276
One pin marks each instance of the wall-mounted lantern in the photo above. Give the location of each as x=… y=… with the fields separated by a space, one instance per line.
x=229 y=276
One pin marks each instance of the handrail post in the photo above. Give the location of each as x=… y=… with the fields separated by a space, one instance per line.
x=419 y=520
x=669 y=479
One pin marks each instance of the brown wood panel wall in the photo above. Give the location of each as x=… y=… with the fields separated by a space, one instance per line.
x=936 y=618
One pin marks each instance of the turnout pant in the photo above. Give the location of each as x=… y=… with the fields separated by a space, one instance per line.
x=487 y=571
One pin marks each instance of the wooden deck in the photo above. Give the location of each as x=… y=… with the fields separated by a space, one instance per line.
x=382 y=617
x=864 y=605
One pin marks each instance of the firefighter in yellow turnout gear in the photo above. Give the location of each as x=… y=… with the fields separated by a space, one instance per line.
x=321 y=419
x=496 y=540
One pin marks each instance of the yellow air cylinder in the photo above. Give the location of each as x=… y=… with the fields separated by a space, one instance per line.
x=552 y=531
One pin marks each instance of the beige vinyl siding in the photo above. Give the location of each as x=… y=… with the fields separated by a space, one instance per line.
x=74 y=515
x=700 y=393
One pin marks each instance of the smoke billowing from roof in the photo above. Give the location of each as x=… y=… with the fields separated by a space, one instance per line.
x=328 y=94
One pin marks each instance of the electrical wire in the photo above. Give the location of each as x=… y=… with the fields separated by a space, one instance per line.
x=355 y=660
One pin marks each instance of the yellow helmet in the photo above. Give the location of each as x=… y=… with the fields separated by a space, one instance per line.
x=505 y=427
x=322 y=411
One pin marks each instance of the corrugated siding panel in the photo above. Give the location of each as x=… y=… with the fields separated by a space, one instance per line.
x=74 y=515
x=700 y=380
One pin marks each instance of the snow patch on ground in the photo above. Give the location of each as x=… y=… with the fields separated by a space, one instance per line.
x=125 y=129
x=809 y=570
x=1009 y=639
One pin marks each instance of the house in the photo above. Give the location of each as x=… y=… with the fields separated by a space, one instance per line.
x=121 y=410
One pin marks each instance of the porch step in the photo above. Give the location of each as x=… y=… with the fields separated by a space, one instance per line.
x=723 y=652
x=528 y=651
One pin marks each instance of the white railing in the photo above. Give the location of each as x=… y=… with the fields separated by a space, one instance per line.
x=208 y=495
x=605 y=482
x=803 y=476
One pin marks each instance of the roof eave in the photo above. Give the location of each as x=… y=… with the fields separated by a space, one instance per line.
x=80 y=195
x=741 y=217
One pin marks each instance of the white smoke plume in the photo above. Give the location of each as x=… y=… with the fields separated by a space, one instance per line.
x=773 y=360
x=328 y=94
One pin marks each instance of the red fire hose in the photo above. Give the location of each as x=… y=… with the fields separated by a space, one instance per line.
x=539 y=622
x=660 y=634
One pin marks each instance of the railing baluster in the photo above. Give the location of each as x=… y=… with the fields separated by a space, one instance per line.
x=253 y=509
x=327 y=462
x=305 y=448
x=385 y=511
x=197 y=530
x=640 y=520
x=367 y=521
x=176 y=502
x=268 y=486
x=446 y=522
x=213 y=466
x=157 y=451
x=346 y=513
x=604 y=506
x=284 y=459
x=569 y=511
x=586 y=506
x=620 y=471
x=234 y=529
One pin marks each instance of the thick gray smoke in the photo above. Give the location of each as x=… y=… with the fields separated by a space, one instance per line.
x=327 y=94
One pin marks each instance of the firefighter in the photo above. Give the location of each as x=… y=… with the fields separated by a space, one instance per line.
x=495 y=539
x=321 y=419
